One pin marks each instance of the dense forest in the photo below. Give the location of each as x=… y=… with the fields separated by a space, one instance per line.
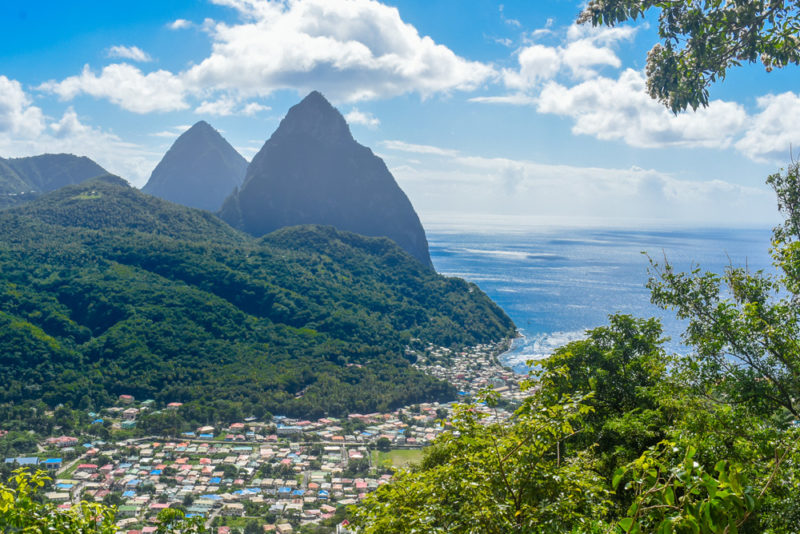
x=108 y=291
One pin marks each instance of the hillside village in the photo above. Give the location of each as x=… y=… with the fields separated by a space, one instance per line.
x=285 y=475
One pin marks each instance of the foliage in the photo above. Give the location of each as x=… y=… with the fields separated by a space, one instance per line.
x=23 y=511
x=624 y=366
x=121 y=293
x=745 y=325
x=701 y=40
x=495 y=477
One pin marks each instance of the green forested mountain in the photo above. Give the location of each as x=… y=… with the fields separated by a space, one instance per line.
x=22 y=179
x=105 y=290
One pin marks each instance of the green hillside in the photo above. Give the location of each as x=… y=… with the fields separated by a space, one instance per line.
x=24 y=179
x=105 y=290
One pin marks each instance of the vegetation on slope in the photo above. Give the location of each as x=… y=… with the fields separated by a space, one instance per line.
x=107 y=291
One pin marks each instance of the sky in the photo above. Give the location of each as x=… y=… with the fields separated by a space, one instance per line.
x=488 y=114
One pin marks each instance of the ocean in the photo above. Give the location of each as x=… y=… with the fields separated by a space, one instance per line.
x=556 y=283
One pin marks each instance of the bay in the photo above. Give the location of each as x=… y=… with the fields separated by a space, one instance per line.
x=555 y=283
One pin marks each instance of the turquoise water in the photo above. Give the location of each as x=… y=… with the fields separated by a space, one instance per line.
x=555 y=284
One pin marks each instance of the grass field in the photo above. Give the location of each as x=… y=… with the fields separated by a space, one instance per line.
x=397 y=458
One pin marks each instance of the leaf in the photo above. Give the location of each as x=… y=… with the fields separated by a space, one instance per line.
x=669 y=496
x=626 y=524
x=618 y=474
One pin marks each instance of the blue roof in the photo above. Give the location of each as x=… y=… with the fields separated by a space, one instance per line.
x=206 y=436
x=194 y=515
x=155 y=472
x=284 y=490
x=298 y=492
x=129 y=493
x=63 y=485
x=215 y=480
x=187 y=434
x=212 y=497
x=97 y=421
x=323 y=493
x=133 y=482
x=87 y=445
x=30 y=460
x=52 y=461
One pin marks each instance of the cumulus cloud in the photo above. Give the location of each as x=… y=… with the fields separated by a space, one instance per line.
x=17 y=116
x=129 y=52
x=612 y=109
x=228 y=105
x=518 y=188
x=350 y=49
x=774 y=129
x=126 y=86
x=583 y=52
x=565 y=80
x=26 y=131
x=179 y=24
x=365 y=119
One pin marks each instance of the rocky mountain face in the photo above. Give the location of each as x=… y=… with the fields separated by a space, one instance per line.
x=23 y=179
x=200 y=170
x=312 y=171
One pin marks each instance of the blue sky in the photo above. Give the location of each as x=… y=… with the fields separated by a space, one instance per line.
x=486 y=112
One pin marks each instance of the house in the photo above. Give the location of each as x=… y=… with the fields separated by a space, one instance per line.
x=23 y=461
x=126 y=399
x=233 y=509
x=62 y=441
x=52 y=464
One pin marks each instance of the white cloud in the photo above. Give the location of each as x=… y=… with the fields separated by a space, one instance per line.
x=126 y=86
x=129 y=52
x=621 y=109
x=26 y=131
x=18 y=118
x=349 y=49
x=775 y=129
x=228 y=105
x=517 y=99
x=482 y=186
x=402 y=146
x=253 y=108
x=564 y=80
x=179 y=24
x=359 y=117
x=584 y=50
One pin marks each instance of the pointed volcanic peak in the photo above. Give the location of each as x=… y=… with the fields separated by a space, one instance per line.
x=312 y=171
x=200 y=169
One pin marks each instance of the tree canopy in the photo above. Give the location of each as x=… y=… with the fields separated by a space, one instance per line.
x=702 y=40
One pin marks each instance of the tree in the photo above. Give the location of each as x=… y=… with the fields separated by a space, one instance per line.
x=22 y=510
x=701 y=40
x=745 y=325
x=502 y=477
x=383 y=444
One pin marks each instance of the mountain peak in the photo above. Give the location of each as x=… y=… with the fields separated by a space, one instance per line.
x=199 y=170
x=314 y=116
x=312 y=171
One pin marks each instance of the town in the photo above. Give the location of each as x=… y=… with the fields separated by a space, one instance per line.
x=283 y=475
